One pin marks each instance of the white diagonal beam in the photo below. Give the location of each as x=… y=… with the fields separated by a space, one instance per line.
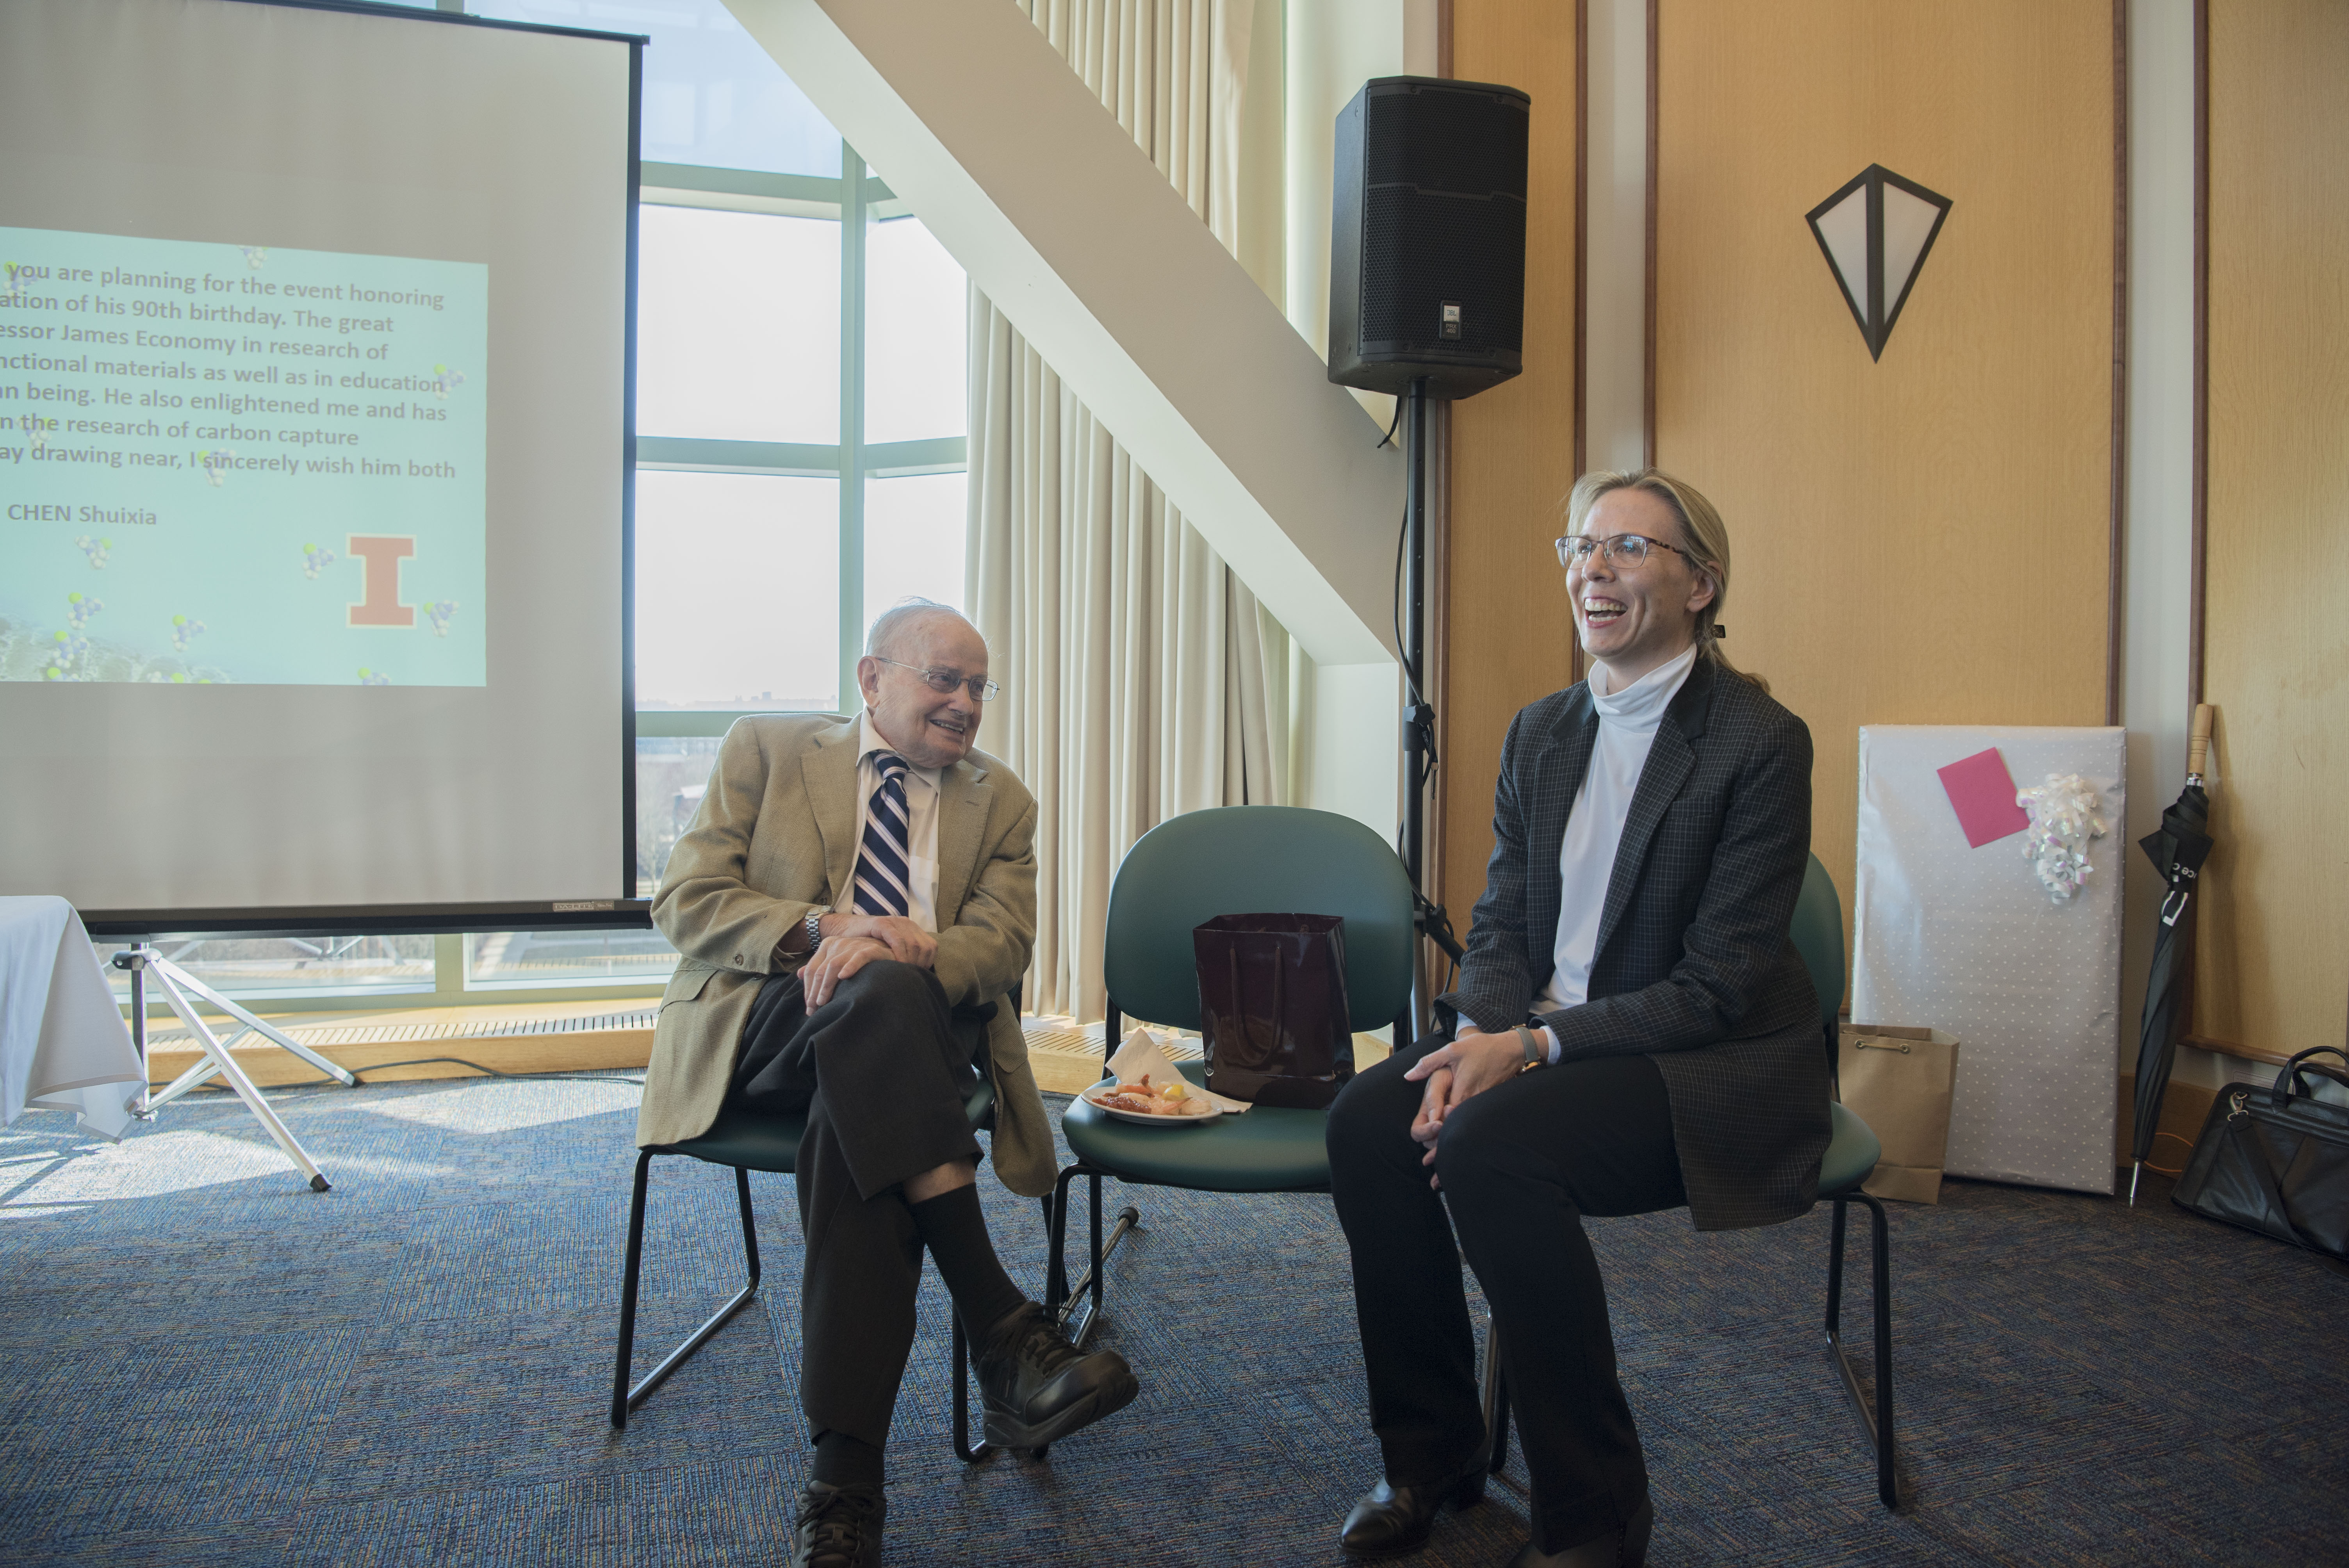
x=972 y=118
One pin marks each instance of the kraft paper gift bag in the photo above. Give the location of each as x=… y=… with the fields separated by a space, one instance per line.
x=1898 y=1081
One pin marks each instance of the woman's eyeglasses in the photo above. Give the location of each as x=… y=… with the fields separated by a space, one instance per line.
x=944 y=680
x=1626 y=551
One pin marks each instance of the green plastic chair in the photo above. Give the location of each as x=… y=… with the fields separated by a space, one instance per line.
x=746 y=1141
x=1852 y=1153
x=1230 y=860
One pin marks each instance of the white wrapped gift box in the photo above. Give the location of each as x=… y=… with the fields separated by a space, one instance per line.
x=1967 y=940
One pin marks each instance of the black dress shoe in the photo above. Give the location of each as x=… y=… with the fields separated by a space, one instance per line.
x=1395 y=1519
x=1037 y=1387
x=1626 y=1548
x=838 y=1527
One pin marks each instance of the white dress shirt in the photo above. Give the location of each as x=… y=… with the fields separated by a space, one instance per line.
x=921 y=826
x=1627 y=721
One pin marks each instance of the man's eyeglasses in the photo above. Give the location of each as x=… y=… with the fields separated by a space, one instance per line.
x=944 y=680
x=1626 y=550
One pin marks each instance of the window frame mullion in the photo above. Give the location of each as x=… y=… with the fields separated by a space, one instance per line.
x=853 y=209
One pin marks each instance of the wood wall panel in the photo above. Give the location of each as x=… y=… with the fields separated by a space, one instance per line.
x=1509 y=636
x=1922 y=540
x=2274 y=958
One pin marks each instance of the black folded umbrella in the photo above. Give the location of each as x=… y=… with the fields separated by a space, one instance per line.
x=2178 y=851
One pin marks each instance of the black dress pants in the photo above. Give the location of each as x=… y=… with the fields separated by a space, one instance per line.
x=882 y=1070
x=1521 y=1164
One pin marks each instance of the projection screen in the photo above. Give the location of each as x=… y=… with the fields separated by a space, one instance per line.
x=316 y=326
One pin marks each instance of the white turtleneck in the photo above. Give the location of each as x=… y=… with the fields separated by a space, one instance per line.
x=1627 y=721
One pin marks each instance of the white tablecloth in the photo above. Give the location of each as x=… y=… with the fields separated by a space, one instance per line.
x=63 y=1043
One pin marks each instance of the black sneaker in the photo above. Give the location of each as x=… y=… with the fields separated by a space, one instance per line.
x=1037 y=1387
x=838 y=1527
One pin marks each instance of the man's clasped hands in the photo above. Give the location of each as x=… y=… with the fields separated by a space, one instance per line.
x=852 y=941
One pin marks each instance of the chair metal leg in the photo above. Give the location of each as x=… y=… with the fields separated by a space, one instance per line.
x=628 y=1293
x=1496 y=1398
x=749 y=1223
x=1056 y=1230
x=1835 y=1272
x=1875 y=1416
x=1888 y=1480
x=625 y=1399
x=1061 y=1297
x=963 y=1450
x=1092 y=1217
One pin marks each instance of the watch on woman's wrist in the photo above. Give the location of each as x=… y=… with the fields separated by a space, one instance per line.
x=1535 y=1056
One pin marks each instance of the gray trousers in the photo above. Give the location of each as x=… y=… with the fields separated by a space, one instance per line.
x=881 y=1072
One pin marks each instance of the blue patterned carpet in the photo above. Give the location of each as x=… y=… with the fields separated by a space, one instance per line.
x=205 y=1363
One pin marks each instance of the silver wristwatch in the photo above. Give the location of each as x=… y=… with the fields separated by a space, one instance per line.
x=815 y=930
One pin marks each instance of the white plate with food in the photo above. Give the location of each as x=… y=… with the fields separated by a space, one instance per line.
x=1184 y=1106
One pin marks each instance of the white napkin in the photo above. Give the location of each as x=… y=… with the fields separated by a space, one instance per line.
x=1141 y=1053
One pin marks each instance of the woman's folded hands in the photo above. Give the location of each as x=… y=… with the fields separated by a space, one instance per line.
x=1456 y=1073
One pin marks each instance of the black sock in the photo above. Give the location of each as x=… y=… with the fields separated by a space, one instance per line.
x=955 y=1230
x=844 y=1461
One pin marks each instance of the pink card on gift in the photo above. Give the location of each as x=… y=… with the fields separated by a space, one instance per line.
x=1982 y=792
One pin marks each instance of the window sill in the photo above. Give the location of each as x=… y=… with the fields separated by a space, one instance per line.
x=566 y=989
x=507 y=1037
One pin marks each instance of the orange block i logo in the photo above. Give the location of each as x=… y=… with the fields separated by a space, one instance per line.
x=380 y=554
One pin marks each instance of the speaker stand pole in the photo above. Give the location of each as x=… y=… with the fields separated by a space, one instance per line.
x=1418 y=714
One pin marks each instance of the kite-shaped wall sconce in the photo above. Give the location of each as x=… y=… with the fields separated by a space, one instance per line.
x=1876 y=232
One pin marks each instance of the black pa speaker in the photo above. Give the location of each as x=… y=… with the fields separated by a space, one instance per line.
x=1427 y=236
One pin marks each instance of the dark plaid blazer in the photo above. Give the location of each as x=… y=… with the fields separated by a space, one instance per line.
x=1694 y=969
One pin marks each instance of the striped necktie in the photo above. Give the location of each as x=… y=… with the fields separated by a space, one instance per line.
x=884 y=880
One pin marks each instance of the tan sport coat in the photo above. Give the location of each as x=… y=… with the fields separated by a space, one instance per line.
x=774 y=842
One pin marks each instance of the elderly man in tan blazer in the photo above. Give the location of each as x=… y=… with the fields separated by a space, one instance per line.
x=853 y=902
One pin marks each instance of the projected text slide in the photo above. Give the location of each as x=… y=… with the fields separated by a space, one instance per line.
x=238 y=463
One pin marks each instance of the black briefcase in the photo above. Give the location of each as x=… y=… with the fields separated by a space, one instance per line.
x=2276 y=1161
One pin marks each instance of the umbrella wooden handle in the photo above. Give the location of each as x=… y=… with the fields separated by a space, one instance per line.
x=2197 y=739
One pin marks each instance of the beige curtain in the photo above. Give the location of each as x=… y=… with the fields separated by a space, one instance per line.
x=1141 y=678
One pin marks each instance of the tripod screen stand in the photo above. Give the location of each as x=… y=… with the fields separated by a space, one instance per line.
x=214 y=1059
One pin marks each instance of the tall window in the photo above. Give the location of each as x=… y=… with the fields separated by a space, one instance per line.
x=801 y=404
x=801 y=452
x=800 y=447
